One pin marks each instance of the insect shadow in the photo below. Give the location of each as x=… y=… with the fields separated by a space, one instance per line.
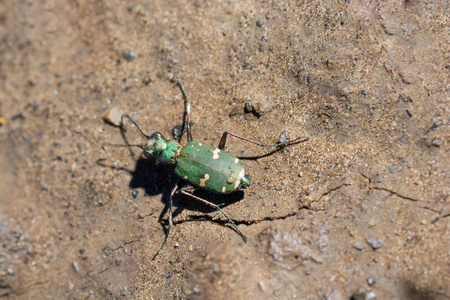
x=157 y=178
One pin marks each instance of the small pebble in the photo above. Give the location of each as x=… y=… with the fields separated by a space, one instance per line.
x=124 y=292
x=234 y=111
x=134 y=193
x=389 y=27
x=374 y=243
x=255 y=109
x=371 y=281
x=358 y=246
x=75 y=267
x=436 y=142
x=113 y=116
x=147 y=80
x=261 y=286
x=392 y=168
x=284 y=138
x=248 y=107
x=129 y=54
x=246 y=64
x=407 y=76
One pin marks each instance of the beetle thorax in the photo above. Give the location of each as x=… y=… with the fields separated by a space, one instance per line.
x=166 y=151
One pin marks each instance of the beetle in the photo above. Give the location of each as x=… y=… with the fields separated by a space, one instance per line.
x=202 y=166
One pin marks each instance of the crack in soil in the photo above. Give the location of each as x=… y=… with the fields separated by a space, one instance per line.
x=107 y=250
x=387 y=190
x=237 y=222
x=393 y=192
x=397 y=194
x=127 y=243
x=333 y=189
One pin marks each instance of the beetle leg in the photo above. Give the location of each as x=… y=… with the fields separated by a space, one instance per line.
x=174 y=190
x=190 y=188
x=187 y=111
x=223 y=141
x=219 y=209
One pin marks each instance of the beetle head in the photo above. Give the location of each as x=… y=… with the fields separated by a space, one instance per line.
x=166 y=151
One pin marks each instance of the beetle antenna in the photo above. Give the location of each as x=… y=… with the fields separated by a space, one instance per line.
x=294 y=141
x=134 y=123
x=187 y=111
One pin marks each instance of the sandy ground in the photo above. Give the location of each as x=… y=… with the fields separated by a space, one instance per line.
x=359 y=210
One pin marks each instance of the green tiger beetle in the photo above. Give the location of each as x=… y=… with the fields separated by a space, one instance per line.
x=203 y=166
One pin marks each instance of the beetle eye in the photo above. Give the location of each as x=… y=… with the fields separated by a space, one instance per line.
x=157 y=135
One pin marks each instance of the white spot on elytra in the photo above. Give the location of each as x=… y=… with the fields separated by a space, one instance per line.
x=200 y=144
x=216 y=154
x=236 y=160
x=203 y=180
x=236 y=184
x=185 y=177
x=224 y=189
x=188 y=108
x=241 y=173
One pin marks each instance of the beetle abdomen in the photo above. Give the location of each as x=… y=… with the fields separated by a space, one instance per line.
x=210 y=168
